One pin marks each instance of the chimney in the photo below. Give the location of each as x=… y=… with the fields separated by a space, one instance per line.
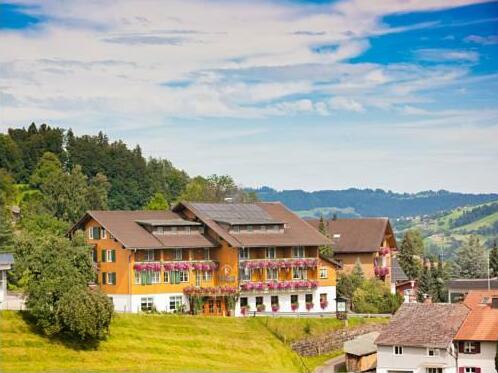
x=494 y=302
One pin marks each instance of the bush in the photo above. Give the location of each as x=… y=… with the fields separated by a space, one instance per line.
x=373 y=296
x=85 y=313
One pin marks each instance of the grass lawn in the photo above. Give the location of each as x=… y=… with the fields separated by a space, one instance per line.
x=289 y=330
x=150 y=343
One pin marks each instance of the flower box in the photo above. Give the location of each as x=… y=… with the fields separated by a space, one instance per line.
x=261 y=307
x=294 y=306
x=275 y=308
x=324 y=304
x=309 y=306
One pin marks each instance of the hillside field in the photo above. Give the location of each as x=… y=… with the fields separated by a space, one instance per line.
x=165 y=343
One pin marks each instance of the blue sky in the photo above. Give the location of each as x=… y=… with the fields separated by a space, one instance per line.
x=390 y=94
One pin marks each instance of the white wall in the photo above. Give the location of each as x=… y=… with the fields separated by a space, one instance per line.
x=484 y=360
x=3 y=284
x=284 y=299
x=127 y=303
x=413 y=359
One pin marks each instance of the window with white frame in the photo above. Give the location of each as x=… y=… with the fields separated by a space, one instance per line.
x=324 y=272
x=469 y=347
x=183 y=276
x=94 y=233
x=270 y=253
x=156 y=277
x=111 y=278
x=272 y=273
x=103 y=233
x=207 y=253
x=299 y=274
x=245 y=274
x=433 y=352
x=166 y=277
x=175 y=303
x=298 y=252
x=207 y=276
x=110 y=256
x=398 y=350
x=249 y=228
x=178 y=254
x=244 y=253
x=146 y=303
x=138 y=276
x=159 y=230
x=433 y=370
x=149 y=255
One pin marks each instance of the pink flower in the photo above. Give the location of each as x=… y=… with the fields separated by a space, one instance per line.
x=294 y=306
x=324 y=304
x=309 y=306
x=377 y=271
x=275 y=307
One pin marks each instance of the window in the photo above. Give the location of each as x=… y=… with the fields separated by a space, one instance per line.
x=470 y=347
x=94 y=233
x=175 y=303
x=207 y=276
x=270 y=253
x=294 y=298
x=249 y=228
x=103 y=233
x=156 y=277
x=470 y=370
x=235 y=229
x=244 y=253
x=324 y=272
x=323 y=297
x=159 y=230
x=149 y=255
x=146 y=304
x=108 y=278
x=207 y=254
x=183 y=276
x=94 y=255
x=272 y=274
x=308 y=298
x=110 y=256
x=138 y=276
x=433 y=370
x=243 y=301
x=274 y=299
x=178 y=254
x=299 y=274
x=398 y=350
x=259 y=301
x=166 y=277
x=298 y=252
x=433 y=352
x=245 y=274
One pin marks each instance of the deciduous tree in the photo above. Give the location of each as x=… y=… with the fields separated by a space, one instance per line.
x=157 y=202
x=470 y=261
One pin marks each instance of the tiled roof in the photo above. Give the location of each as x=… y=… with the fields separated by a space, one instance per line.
x=124 y=227
x=397 y=272
x=355 y=235
x=482 y=322
x=424 y=325
x=297 y=232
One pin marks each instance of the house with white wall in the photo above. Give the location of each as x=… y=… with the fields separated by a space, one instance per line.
x=6 y=261
x=477 y=338
x=419 y=339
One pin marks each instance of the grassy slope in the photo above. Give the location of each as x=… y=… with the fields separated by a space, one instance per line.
x=151 y=343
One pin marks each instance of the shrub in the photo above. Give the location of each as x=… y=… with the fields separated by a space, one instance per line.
x=373 y=296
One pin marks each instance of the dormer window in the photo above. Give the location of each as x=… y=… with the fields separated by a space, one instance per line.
x=249 y=228
x=270 y=253
x=160 y=230
x=298 y=252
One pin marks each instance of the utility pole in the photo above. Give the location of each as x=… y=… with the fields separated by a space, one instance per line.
x=489 y=279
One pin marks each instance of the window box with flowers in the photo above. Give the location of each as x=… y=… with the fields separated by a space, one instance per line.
x=261 y=307
x=275 y=307
x=294 y=306
x=309 y=306
x=244 y=310
x=324 y=304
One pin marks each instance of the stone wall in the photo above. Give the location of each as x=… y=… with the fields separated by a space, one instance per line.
x=332 y=341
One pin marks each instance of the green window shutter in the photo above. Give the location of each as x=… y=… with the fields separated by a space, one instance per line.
x=114 y=278
x=103 y=256
x=104 y=278
x=149 y=277
x=96 y=233
x=177 y=274
x=144 y=278
x=113 y=256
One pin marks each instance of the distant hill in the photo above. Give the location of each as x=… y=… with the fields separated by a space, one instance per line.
x=369 y=202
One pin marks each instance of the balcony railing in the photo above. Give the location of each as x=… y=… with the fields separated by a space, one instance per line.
x=279 y=263
x=191 y=265
x=279 y=285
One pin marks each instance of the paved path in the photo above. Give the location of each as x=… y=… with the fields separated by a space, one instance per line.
x=12 y=302
x=331 y=365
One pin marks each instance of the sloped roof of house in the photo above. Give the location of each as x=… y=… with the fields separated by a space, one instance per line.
x=362 y=235
x=398 y=274
x=6 y=259
x=473 y=284
x=127 y=228
x=482 y=322
x=297 y=232
x=362 y=345
x=424 y=325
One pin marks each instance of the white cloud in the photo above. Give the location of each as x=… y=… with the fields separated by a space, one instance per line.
x=345 y=103
x=444 y=55
x=484 y=40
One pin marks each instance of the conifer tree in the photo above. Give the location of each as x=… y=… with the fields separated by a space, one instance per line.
x=357 y=274
x=6 y=236
x=471 y=260
x=412 y=248
x=424 y=283
x=493 y=260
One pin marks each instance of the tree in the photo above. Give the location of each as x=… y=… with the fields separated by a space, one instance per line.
x=493 y=260
x=157 y=202
x=48 y=167
x=322 y=227
x=58 y=271
x=166 y=179
x=10 y=155
x=348 y=283
x=373 y=296
x=470 y=261
x=412 y=248
x=439 y=276
x=6 y=236
x=325 y=250
x=97 y=192
x=424 y=283
x=357 y=274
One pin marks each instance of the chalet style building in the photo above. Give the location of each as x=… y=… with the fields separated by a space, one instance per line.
x=232 y=258
x=368 y=241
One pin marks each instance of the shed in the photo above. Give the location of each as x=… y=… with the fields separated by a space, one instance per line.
x=361 y=353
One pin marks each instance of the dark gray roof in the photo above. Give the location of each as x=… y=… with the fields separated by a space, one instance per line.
x=236 y=213
x=397 y=272
x=473 y=284
x=6 y=258
x=362 y=345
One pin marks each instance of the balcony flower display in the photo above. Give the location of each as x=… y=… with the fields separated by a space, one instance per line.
x=275 y=307
x=261 y=307
x=324 y=304
x=294 y=306
x=275 y=285
x=309 y=306
x=381 y=271
x=244 y=310
x=384 y=251
x=218 y=290
x=280 y=263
